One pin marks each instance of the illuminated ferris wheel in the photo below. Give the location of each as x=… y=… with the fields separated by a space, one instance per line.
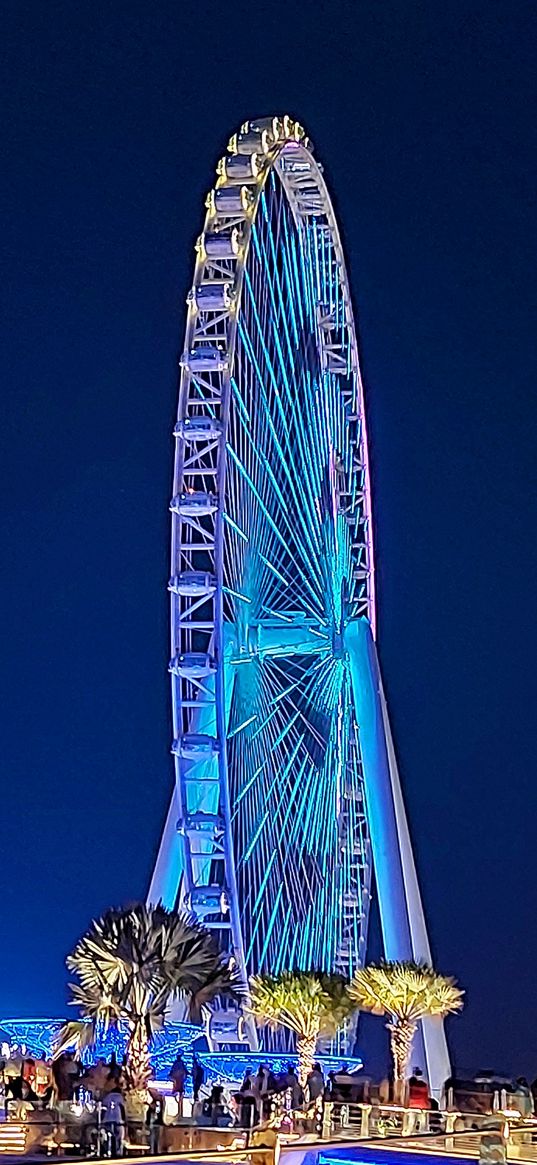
x=286 y=789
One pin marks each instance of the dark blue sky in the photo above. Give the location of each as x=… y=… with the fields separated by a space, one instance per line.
x=424 y=115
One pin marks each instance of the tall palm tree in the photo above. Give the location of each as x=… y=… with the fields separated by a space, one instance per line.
x=131 y=964
x=309 y=1003
x=406 y=992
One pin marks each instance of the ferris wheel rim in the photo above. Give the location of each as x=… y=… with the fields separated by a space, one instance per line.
x=294 y=143
x=293 y=147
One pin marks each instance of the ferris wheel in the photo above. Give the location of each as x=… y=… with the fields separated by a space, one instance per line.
x=286 y=787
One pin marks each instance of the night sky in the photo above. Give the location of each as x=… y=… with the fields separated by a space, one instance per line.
x=115 y=115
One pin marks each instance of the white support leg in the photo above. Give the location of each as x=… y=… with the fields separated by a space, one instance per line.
x=164 y=885
x=402 y=919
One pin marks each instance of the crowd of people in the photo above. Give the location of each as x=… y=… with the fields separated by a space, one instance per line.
x=40 y=1085
x=518 y=1095
x=252 y=1103
x=41 y=1082
x=257 y=1092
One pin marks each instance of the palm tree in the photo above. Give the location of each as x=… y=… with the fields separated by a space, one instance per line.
x=131 y=964
x=406 y=992
x=309 y=1003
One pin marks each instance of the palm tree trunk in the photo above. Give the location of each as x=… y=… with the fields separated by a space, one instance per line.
x=402 y=1033
x=305 y=1047
x=138 y=1063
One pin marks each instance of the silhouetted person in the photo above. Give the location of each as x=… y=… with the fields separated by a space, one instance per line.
x=315 y=1082
x=114 y=1121
x=178 y=1075
x=154 y=1119
x=17 y=1088
x=114 y=1071
x=198 y=1076
x=418 y=1092
x=293 y=1083
x=246 y=1101
x=524 y=1099
x=65 y=1072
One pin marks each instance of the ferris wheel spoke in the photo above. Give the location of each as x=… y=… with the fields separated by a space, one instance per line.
x=319 y=428
x=277 y=734
x=288 y=801
x=265 y=722
x=248 y=482
x=285 y=382
x=283 y=542
x=313 y=676
x=291 y=297
x=308 y=553
x=284 y=452
x=263 y=883
x=235 y=527
x=245 y=789
x=277 y=297
x=248 y=479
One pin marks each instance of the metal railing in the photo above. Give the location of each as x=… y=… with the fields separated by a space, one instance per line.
x=322 y=1122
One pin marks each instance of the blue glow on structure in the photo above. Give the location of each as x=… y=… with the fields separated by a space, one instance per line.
x=233 y=1066
x=379 y=793
x=305 y=795
x=36 y=1037
x=377 y=1155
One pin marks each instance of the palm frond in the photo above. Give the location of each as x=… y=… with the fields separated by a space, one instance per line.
x=224 y=980
x=76 y=1035
x=405 y=991
x=308 y=1003
x=132 y=962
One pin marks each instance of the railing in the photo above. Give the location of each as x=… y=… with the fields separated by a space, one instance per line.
x=27 y=1130
x=504 y=1142
x=81 y=1131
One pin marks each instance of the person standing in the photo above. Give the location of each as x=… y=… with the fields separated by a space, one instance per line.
x=315 y=1083
x=261 y=1091
x=246 y=1100
x=65 y=1073
x=178 y=1076
x=154 y=1121
x=533 y=1093
x=114 y=1120
x=292 y=1083
x=198 y=1076
x=219 y=1112
x=523 y=1097
x=418 y=1092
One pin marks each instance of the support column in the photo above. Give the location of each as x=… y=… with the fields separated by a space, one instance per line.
x=401 y=912
x=164 y=885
